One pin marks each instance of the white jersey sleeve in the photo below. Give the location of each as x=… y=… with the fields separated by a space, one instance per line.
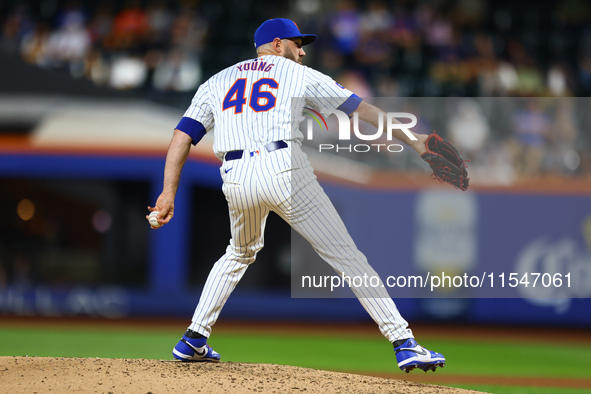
x=198 y=118
x=324 y=93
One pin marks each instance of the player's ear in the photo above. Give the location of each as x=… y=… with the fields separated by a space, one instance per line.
x=278 y=45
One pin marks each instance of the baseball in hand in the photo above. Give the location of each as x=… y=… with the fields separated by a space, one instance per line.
x=153 y=219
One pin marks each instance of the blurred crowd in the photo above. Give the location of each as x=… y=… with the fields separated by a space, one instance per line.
x=147 y=46
x=459 y=47
x=503 y=139
x=409 y=48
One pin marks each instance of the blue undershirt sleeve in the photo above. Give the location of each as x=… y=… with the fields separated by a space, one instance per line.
x=193 y=128
x=350 y=104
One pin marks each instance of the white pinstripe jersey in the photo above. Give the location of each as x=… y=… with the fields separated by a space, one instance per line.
x=249 y=104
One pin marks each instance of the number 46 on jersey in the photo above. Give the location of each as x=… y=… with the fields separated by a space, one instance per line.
x=259 y=100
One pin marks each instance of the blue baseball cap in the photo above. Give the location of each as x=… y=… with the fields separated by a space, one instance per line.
x=280 y=28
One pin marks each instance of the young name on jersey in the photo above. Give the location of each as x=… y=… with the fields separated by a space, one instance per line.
x=255 y=65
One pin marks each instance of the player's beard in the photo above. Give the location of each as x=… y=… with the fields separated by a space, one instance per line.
x=289 y=54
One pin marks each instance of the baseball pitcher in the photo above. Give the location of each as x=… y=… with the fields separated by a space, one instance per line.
x=255 y=107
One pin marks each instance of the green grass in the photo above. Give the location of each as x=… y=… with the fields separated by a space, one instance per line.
x=505 y=359
x=521 y=390
x=527 y=359
x=86 y=343
x=517 y=358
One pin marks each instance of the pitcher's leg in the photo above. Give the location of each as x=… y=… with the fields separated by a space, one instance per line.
x=247 y=220
x=313 y=215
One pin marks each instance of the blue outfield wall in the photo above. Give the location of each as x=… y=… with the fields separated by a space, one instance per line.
x=117 y=302
x=518 y=258
x=403 y=233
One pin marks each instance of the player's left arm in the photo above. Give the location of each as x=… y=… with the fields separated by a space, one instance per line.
x=197 y=120
x=177 y=154
x=370 y=113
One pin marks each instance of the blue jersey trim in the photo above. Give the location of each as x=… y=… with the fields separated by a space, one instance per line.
x=193 y=128
x=350 y=104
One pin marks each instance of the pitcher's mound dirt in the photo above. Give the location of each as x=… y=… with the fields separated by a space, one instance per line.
x=61 y=375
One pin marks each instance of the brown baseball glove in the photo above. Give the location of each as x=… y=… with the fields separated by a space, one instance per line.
x=446 y=162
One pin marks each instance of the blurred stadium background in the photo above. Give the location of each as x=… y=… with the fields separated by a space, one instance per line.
x=90 y=92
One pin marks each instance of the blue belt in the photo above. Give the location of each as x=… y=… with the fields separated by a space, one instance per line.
x=270 y=147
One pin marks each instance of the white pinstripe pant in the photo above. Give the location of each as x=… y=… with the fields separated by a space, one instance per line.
x=283 y=181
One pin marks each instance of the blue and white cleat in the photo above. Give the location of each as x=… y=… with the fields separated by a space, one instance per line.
x=411 y=355
x=194 y=349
